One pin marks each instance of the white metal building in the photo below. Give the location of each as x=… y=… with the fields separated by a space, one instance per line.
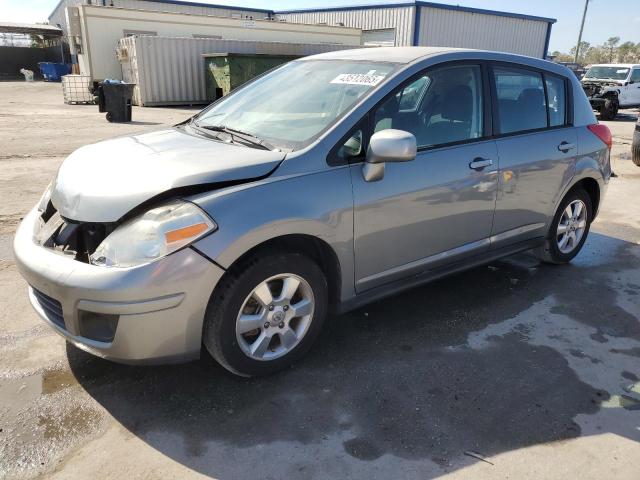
x=58 y=17
x=433 y=24
x=94 y=32
x=409 y=22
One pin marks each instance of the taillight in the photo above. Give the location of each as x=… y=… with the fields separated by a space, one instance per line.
x=602 y=132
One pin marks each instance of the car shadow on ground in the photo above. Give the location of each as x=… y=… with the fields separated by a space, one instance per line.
x=396 y=377
x=624 y=116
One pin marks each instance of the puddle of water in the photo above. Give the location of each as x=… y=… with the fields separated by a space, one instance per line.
x=56 y=380
x=78 y=421
x=16 y=394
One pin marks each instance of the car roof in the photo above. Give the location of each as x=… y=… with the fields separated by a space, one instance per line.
x=386 y=54
x=408 y=55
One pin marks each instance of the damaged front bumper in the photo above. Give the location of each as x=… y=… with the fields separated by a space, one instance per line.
x=152 y=313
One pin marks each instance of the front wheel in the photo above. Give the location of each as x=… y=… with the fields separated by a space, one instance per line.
x=609 y=110
x=635 y=152
x=266 y=313
x=569 y=228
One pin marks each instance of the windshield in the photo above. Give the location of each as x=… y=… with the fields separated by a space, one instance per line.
x=612 y=73
x=292 y=105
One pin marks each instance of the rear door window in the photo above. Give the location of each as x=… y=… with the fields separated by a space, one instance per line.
x=556 y=100
x=521 y=100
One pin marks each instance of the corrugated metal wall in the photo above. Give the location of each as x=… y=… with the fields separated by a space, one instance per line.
x=452 y=28
x=58 y=15
x=195 y=10
x=170 y=70
x=400 y=18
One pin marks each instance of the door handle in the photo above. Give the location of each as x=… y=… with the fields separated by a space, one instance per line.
x=479 y=163
x=565 y=147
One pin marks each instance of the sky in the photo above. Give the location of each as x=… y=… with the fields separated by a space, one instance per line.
x=605 y=18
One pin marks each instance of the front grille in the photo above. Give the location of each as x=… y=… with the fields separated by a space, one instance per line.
x=51 y=307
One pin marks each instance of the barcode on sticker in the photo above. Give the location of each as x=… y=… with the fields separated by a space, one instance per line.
x=358 y=79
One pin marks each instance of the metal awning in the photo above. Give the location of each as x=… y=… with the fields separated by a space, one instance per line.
x=31 y=28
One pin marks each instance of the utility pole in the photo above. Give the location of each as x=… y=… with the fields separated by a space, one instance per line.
x=584 y=16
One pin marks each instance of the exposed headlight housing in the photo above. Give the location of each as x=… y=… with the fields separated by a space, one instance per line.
x=46 y=198
x=153 y=235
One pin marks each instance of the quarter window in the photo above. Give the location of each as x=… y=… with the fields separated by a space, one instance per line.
x=441 y=107
x=521 y=102
x=556 y=100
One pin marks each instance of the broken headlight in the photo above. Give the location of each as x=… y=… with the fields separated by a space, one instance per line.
x=153 y=235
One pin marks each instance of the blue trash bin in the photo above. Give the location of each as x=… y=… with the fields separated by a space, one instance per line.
x=53 y=72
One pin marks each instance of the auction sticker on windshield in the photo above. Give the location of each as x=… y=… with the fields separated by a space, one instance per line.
x=358 y=79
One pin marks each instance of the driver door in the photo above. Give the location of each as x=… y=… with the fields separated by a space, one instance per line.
x=438 y=208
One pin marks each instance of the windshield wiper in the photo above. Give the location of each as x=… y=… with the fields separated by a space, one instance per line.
x=246 y=136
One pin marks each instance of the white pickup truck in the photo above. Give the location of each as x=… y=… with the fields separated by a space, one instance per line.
x=612 y=86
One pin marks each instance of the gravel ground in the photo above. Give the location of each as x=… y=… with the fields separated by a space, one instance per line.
x=512 y=370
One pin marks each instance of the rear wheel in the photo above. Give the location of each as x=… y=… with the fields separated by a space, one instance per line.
x=266 y=313
x=569 y=229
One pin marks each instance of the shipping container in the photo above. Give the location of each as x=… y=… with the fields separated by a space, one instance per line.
x=170 y=70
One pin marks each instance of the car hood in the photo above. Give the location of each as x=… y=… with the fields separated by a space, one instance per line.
x=103 y=181
x=603 y=81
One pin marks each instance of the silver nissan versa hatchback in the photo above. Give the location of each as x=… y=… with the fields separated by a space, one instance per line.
x=327 y=183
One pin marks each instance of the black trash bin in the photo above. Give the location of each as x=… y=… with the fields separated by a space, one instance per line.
x=115 y=99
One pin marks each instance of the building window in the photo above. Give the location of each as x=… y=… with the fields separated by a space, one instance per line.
x=131 y=33
x=385 y=37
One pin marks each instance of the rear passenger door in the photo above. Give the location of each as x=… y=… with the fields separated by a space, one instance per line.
x=536 y=145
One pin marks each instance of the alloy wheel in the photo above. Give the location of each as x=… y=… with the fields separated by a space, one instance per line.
x=571 y=226
x=275 y=316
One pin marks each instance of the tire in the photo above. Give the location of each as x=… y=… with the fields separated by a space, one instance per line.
x=551 y=251
x=109 y=117
x=609 y=110
x=236 y=293
x=635 y=152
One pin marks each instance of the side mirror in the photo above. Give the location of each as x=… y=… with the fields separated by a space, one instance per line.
x=387 y=146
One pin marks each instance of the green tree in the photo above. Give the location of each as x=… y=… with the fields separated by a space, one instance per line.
x=610 y=46
x=627 y=52
x=599 y=54
x=561 y=57
x=584 y=47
